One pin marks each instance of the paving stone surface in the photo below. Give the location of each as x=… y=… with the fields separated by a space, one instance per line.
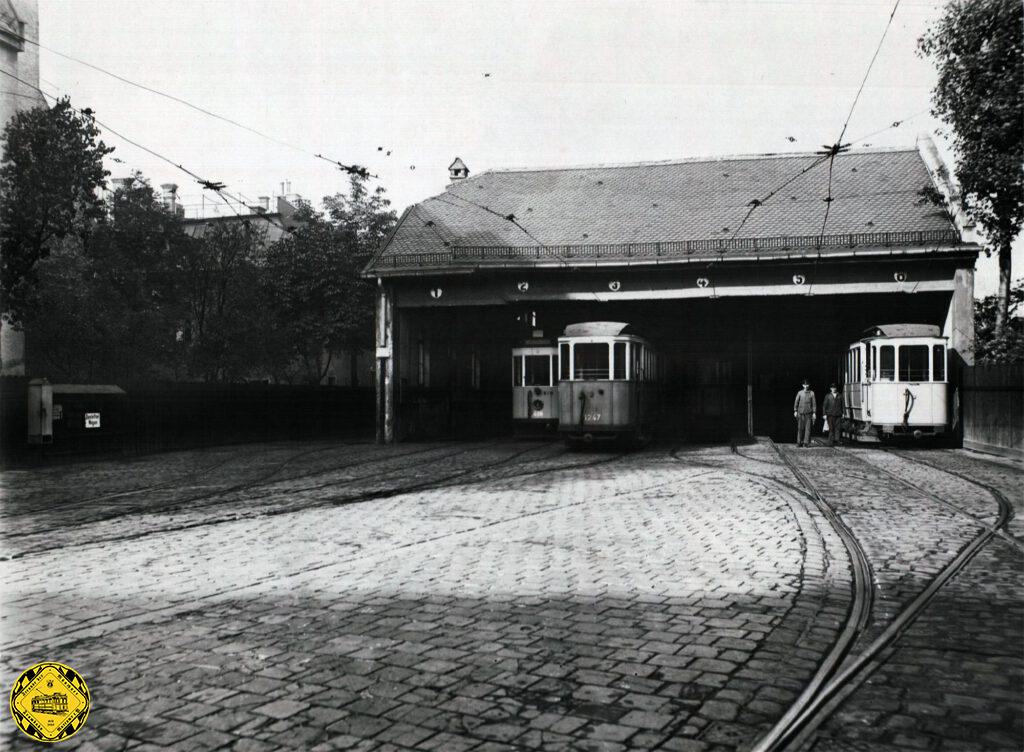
x=956 y=678
x=476 y=596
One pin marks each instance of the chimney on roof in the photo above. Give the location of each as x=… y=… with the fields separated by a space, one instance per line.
x=457 y=170
x=263 y=203
x=170 y=196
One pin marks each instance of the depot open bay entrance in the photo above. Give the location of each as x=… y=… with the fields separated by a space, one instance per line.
x=731 y=366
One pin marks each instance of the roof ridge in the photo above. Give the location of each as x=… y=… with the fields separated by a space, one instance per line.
x=688 y=160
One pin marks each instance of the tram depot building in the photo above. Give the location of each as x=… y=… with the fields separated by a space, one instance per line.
x=729 y=266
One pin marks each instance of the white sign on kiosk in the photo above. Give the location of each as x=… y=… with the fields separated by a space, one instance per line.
x=92 y=420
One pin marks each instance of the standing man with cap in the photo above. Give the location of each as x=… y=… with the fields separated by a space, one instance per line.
x=805 y=410
x=832 y=408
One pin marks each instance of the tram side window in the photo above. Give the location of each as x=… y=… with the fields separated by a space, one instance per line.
x=638 y=362
x=887 y=363
x=867 y=362
x=517 y=370
x=856 y=364
x=536 y=370
x=913 y=362
x=938 y=363
x=563 y=359
x=619 y=360
x=590 y=361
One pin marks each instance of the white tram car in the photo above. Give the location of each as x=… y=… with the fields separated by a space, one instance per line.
x=608 y=383
x=896 y=383
x=534 y=388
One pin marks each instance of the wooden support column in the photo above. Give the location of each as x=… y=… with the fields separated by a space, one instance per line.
x=750 y=378
x=385 y=363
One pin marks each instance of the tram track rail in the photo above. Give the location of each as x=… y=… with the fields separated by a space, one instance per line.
x=857 y=621
x=179 y=479
x=796 y=730
x=266 y=478
x=94 y=628
x=449 y=480
x=1005 y=508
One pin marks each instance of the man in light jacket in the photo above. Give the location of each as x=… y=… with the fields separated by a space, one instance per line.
x=805 y=410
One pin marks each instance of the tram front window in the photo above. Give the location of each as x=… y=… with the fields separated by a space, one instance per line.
x=590 y=361
x=914 y=362
x=536 y=370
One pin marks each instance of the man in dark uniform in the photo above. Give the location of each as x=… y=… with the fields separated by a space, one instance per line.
x=805 y=410
x=833 y=411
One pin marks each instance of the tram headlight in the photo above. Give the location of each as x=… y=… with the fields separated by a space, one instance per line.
x=538 y=404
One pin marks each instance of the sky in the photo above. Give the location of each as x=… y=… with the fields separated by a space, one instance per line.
x=570 y=83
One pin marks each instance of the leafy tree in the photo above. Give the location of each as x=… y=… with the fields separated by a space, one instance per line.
x=364 y=220
x=320 y=302
x=995 y=346
x=978 y=49
x=51 y=169
x=224 y=334
x=107 y=305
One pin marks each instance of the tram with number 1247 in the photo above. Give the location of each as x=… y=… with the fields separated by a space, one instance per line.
x=608 y=384
x=896 y=384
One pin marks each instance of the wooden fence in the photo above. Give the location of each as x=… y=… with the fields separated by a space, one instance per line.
x=172 y=416
x=992 y=406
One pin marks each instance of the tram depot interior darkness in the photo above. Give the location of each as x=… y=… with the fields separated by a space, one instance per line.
x=454 y=369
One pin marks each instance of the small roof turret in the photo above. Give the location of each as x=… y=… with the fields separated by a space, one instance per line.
x=457 y=170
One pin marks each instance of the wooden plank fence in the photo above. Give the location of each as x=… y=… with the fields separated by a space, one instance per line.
x=992 y=406
x=158 y=417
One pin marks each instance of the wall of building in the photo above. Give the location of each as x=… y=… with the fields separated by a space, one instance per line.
x=21 y=60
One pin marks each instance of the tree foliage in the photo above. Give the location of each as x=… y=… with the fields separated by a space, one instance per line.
x=119 y=289
x=978 y=50
x=51 y=169
x=224 y=335
x=1006 y=346
x=108 y=301
x=319 y=301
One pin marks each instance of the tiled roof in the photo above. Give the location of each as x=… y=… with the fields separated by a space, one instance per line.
x=684 y=208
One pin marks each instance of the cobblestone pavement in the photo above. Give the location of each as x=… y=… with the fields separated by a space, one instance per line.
x=480 y=596
x=956 y=678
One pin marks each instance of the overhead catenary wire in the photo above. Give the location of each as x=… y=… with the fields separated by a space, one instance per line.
x=829 y=153
x=757 y=202
x=430 y=224
x=895 y=124
x=511 y=218
x=353 y=169
x=211 y=185
x=838 y=147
